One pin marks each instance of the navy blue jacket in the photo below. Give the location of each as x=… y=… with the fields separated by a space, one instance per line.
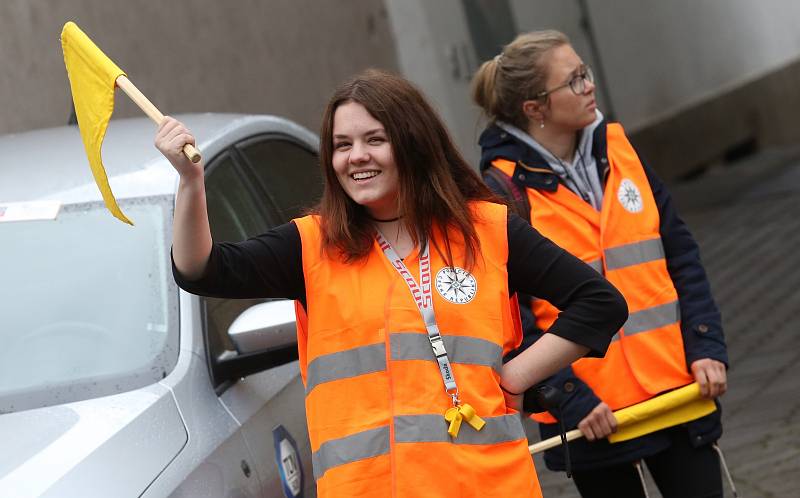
x=701 y=324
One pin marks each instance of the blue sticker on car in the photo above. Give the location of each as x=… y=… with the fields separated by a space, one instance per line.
x=288 y=460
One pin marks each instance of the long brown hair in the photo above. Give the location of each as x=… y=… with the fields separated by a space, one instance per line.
x=435 y=180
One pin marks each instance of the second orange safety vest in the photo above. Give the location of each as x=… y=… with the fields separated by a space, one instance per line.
x=375 y=398
x=623 y=242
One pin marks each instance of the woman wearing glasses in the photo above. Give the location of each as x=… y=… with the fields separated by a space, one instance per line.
x=579 y=181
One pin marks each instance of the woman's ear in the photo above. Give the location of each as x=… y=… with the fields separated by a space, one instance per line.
x=533 y=110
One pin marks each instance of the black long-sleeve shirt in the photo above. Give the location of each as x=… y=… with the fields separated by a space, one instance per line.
x=270 y=265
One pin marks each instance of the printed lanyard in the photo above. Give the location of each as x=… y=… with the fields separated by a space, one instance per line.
x=423 y=296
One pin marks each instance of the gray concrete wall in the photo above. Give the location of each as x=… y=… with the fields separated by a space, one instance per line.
x=255 y=56
x=663 y=57
x=436 y=53
x=692 y=81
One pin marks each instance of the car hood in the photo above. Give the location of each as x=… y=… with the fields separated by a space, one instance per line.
x=111 y=446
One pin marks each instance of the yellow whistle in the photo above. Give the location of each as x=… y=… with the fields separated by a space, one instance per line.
x=453 y=415
x=471 y=417
x=463 y=412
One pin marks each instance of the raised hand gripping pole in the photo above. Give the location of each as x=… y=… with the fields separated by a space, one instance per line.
x=152 y=112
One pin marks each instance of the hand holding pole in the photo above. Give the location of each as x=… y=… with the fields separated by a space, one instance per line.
x=152 y=112
x=666 y=410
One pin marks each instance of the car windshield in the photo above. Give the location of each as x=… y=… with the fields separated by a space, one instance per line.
x=88 y=305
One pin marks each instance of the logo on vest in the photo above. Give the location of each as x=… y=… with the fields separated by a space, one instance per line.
x=630 y=197
x=458 y=287
x=446 y=372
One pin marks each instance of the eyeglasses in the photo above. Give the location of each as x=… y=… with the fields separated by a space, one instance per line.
x=577 y=83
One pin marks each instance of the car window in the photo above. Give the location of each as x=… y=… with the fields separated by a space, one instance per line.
x=88 y=304
x=234 y=214
x=288 y=173
x=264 y=181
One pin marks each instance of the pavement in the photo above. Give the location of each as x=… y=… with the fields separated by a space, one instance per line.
x=746 y=219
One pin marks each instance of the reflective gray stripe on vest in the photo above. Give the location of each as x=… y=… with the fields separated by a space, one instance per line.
x=634 y=254
x=652 y=318
x=346 y=364
x=433 y=429
x=597 y=265
x=359 y=446
x=460 y=349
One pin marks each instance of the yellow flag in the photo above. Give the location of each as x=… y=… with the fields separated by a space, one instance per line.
x=92 y=78
x=668 y=410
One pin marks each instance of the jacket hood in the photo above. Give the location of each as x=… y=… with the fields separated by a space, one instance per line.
x=496 y=143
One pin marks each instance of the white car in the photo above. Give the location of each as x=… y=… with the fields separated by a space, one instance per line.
x=115 y=383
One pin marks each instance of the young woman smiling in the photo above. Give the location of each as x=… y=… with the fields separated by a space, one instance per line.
x=403 y=278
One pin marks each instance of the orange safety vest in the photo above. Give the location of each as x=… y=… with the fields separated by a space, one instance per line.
x=375 y=398
x=623 y=242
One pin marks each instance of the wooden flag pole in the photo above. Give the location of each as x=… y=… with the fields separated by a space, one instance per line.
x=665 y=410
x=152 y=112
x=554 y=441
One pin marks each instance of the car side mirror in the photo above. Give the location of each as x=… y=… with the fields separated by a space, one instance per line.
x=265 y=326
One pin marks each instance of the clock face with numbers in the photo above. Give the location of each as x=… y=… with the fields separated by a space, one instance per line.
x=456 y=285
